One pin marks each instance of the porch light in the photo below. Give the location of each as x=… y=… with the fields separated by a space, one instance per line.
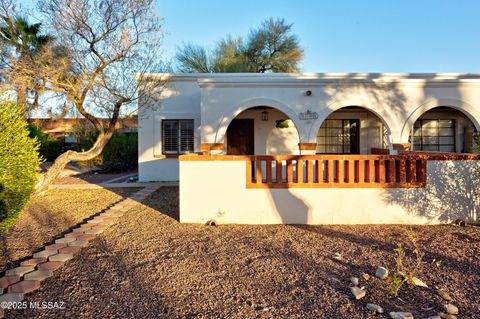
x=264 y=115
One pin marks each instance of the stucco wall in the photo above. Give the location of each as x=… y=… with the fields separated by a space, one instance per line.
x=216 y=190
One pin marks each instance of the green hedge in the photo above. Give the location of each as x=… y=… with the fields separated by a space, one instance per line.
x=50 y=148
x=19 y=160
x=121 y=152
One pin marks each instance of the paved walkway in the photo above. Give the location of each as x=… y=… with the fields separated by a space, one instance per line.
x=112 y=185
x=27 y=277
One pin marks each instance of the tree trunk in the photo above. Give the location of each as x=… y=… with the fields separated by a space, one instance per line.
x=61 y=161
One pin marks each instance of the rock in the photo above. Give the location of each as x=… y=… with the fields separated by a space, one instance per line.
x=418 y=282
x=446 y=316
x=444 y=295
x=374 y=307
x=337 y=256
x=451 y=309
x=355 y=281
x=366 y=276
x=381 y=272
x=434 y=317
x=401 y=315
x=358 y=293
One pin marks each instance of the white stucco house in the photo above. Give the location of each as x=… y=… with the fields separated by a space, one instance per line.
x=312 y=148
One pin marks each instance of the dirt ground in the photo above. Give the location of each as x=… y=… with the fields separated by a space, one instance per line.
x=49 y=215
x=150 y=266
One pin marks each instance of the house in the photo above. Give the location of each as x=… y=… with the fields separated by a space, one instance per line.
x=310 y=148
x=70 y=129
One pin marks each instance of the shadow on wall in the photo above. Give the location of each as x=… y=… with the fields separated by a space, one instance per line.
x=291 y=208
x=451 y=192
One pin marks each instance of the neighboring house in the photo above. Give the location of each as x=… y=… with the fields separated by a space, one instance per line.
x=320 y=121
x=69 y=129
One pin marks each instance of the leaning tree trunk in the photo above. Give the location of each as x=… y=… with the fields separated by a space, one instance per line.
x=54 y=171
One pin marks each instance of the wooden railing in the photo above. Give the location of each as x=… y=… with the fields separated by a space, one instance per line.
x=335 y=171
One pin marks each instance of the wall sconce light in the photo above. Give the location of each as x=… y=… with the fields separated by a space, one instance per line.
x=264 y=115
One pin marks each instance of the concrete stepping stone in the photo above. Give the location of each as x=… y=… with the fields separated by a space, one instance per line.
x=44 y=253
x=78 y=230
x=25 y=286
x=8 y=280
x=64 y=240
x=55 y=247
x=50 y=265
x=94 y=231
x=73 y=234
x=33 y=261
x=94 y=221
x=100 y=227
x=87 y=237
x=39 y=275
x=60 y=257
x=69 y=250
x=12 y=297
x=19 y=271
x=78 y=243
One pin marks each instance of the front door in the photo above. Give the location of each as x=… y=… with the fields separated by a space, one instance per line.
x=240 y=137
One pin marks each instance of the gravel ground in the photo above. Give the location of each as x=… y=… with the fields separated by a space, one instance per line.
x=151 y=266
x=49 y=215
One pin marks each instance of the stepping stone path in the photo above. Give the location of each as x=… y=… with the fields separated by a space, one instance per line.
x=27 y=277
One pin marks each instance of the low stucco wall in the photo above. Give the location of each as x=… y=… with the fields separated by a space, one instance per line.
x=217 y=190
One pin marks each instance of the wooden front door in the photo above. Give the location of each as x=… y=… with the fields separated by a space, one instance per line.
x=240 y=137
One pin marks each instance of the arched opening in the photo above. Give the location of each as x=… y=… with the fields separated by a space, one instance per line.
x=262 y=130
x=443 y=129
x=352 y=130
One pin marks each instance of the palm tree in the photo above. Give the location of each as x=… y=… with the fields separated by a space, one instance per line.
x=22 y=41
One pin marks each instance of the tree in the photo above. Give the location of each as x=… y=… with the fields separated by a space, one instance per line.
x=21 y=41
x=270 y=48
x=103 y=51
x=19 y=160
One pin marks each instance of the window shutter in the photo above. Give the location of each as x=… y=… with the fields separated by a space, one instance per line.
x=186 y=136
x=170 y=136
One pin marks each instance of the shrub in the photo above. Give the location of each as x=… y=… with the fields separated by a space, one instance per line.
x=19 y=160
x=50 y=148
x=121 y=152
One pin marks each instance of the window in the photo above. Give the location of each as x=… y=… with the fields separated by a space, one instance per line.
x=177 y=136
x=434 y=135
x=339 y=137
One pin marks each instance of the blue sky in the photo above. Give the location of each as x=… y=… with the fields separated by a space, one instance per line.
x=342 y=35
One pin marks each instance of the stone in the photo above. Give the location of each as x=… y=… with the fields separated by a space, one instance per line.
x=8 y=280
x=366 y=276
x=39 y=275
x=401 y=315
x=78 y=243
x=419 y=283
x=381 y=272
x=78 y=230
x=93 y=231
x=73 y=235
x=44 y=253
x=69 y=250
x=61 y=257
x=19 y=271
x=64 y=240
x=355 y=281
x=12 y=297
x=50 y=265
x=337 y=256
x=451 y=309
x=374 y=307
x=25 y=286
x=33 y=261
x=55 y=247
x=444 y=295
x=86 y=237
x=434 y=317
x=358 y=293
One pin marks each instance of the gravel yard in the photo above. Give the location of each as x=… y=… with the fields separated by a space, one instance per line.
x=48 y=215
x=149 y=265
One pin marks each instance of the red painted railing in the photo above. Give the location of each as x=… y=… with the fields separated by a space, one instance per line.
x=335 y=171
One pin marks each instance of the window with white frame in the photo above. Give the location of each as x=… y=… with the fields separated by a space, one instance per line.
x=177 y=136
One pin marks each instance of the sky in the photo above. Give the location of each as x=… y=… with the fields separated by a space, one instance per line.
x=342 y=35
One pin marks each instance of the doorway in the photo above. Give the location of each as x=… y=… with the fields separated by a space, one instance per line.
x=241 y=137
